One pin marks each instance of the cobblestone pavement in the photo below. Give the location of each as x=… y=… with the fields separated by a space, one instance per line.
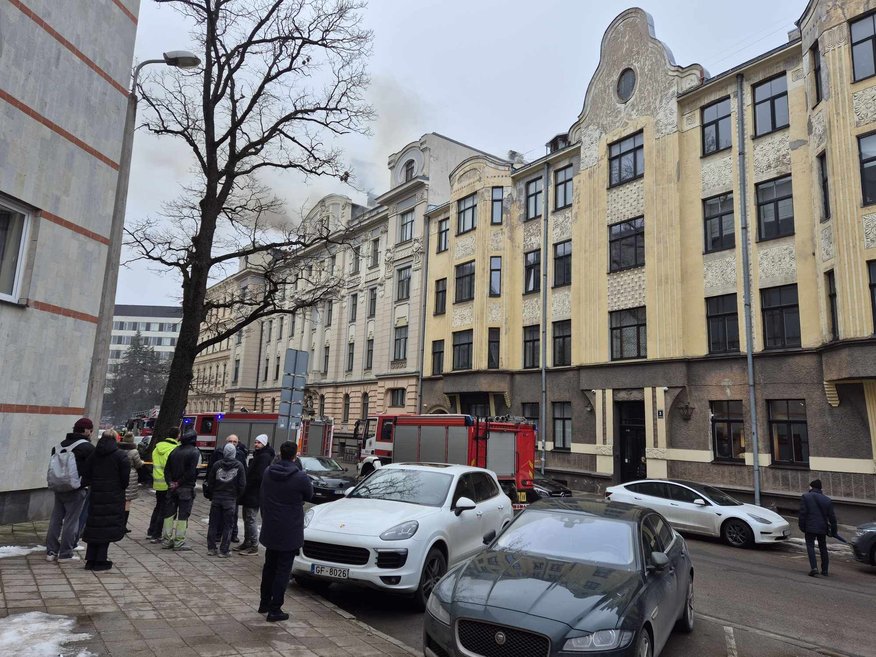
x=157 y=602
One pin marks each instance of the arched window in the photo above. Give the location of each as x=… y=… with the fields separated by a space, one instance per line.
x=409 y=170
x=322 y=405
x=365 y=401
x=346 y=413
x=273 y=404
x=263 y=404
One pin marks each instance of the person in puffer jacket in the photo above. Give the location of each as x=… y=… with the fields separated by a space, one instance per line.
x=133 y=491
x=226 y=482
x=181 y=474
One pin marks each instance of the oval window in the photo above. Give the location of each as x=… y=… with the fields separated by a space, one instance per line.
x=626 y=83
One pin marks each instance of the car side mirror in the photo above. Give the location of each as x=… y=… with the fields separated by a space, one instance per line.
x=463 y=504
x=700 y=502
x=489 y=536
x=658 y=561
x=348 y=491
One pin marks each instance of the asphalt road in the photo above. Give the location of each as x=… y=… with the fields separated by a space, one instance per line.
x=749 y=603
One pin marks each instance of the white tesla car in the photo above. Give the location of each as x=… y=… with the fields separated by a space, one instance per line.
x=400 y=528
x=701 y=509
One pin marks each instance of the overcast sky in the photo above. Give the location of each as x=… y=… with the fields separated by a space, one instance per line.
x=498 y=75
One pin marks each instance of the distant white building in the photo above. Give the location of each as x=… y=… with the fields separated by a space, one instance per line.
x=157 y=325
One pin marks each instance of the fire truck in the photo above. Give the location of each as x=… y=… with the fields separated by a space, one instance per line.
x=143 y=422
x=505 y=445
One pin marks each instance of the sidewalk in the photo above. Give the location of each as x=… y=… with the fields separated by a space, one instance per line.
x=157 y=602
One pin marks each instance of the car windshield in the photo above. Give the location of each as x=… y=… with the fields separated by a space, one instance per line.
x=320 y=464
x=571 y=536
x=719 y=497
x=412 y=486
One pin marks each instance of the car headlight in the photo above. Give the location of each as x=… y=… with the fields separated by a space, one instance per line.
x=600 y=640
x=308 y=517
x=760 y=519
x=401 y=532
x=437 y=609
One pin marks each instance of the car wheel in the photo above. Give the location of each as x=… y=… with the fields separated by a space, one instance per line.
x=312 y=583
x=433 y=570
x=685 y=624
x=644 y=647
x=737 y=533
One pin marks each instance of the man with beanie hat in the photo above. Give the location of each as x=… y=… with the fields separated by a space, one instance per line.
x=262 y=457
x=817 y=521
x=160 y=454
x=215 y=456
x=67 y=518
x=226 y=482
x=181 y=474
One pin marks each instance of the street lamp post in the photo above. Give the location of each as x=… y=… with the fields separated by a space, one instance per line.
x=100 y=357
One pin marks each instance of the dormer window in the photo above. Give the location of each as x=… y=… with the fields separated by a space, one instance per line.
x=409 y=170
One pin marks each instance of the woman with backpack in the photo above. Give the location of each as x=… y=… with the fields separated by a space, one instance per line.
x=133 y=491
x=107 y=471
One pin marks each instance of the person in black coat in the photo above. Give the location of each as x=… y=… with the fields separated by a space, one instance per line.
x=226 y=479
x=215 y=457
x=263 y=456
x=107 y=473
x=181 y=474
x=817 y=521
x=285 y=489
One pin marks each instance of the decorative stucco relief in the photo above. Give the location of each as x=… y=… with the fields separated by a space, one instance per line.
x=465 y=247
x=691 y=119
x=626 y=201
x=590 y=137
x=869 y=231
x=816 y=130
x=717 y=175
x=777 y=265
x=719 y=274
x=532 y=310
x=826 y=243
x=561 y=226
x=462 y=315
x=833 y=38
x=797 y=74
x=531 y=235
x=468 y=176
x=497 y=239
x=864 y=102
x=495 y=311
x=626 y=289
x=666 y=121
x=561 y=304
x=772 y=156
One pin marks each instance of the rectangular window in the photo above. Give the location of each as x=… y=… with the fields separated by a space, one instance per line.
x=728 y=437
x=236 y=371
x=406 y=226
x=493 y=349
x=354 y=307
x=867 y=153
x=443 y=235
x=466 y=214
x=465 y=281
x=270 y=329
x=830 y=284
x=717 y=131
x=825 y=187
x=375 y=253
x=351 y=353
x=871 y=270
x=265 y=371
x=722 y=316
x=325 y=358
x=770 y=105
x=403 y=284
x=292 y=323
x=400 y=343
x=562 y=343
x=280 y=330
x=497 y=206
x=563 y=263
x=626 y=159
x=629 y=333
x=276 y=368
x=563 y=188
x=372 y=302
x=864 y=47
x=440 y=296
x=437 y=357
x=789 y=434
x=815 y=54
x=533 y=199
x=495 y=276
x=329 y=311
x=531 y=346
x=775 y=208
x=718 y=223
x=397 y=397
x=369 y=353
x=626 y=244
x=781 y=317
x=529 y=410
x=532 y=271
x=462 y=343
x=562 y=425
x=357 y=257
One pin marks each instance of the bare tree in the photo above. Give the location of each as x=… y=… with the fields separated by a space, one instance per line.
x=281 y=80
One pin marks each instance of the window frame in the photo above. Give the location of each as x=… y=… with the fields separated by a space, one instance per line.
x=462 y=351
x=351 y=355
x=535 y=208
x=789 y=423
x=403 y=283
x=465 y=282
x=871 y=16
x=565 y=417
x=493 y=206
x=19 y=273
x=529 y=266
x=566 y=185
x=562 y=344
x=443 y=235
x=641 y=326
x=871 y=272
x=467 y=214
x=824 y=184
x=723 y=317
x=408 y=172
x=329 y=312
x=400 y=343
x=563 y=264
x=437 y=364
x=782 y=309
x=775 y=203
x=374 y=259
x=862 y=162
x=326 y=358
x=440 y=295
x=832 y=307
x=719 y=216
x=622 y=151
x=494 y=337
x=729 y=420
x=398 y=397
x=369 y=354
x=495 y=281
x=772 y=103
x=345 y=408
x=615 y=243
x=815 y=54
x=716 y=123
x=354 y=306
x=372 y=302
x=405 y=226
x=531 y=347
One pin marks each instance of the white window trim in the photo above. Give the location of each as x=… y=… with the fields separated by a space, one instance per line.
x=17 y=277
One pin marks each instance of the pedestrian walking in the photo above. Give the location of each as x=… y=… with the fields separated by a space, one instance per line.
x=107 y=472
x=217 y=456
x=226 y=481
x=133 y=491
x=160 y=453
x=817 y=521
x=181 y=474
x=65 y=481
x=263 y=456
x=285 y=488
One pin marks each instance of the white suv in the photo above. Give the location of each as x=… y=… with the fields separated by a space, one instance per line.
x=402 y=527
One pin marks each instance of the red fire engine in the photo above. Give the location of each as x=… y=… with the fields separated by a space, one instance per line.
x=143 y=422
x=504 y=445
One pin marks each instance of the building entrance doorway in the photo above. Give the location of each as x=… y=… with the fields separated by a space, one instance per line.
x=631 y=439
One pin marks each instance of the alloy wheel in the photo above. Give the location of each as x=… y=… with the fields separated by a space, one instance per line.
x=737 y=533
x=432 y=573
x=644 y=649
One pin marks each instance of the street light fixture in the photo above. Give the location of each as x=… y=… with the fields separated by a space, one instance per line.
x=97 y=375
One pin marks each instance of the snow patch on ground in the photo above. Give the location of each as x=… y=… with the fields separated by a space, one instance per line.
x=36 y=634
x=19 y=551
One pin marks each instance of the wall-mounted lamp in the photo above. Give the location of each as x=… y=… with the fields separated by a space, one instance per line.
x=686 y=410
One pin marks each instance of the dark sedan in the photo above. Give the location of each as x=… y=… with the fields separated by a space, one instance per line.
x=329 y=479
x=864 y=543
x=550 y=488
x=567 y=577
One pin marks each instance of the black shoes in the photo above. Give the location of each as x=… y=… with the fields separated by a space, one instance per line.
x=274 y=616
x=263 y=609
x=813 y=573
x=101 y=565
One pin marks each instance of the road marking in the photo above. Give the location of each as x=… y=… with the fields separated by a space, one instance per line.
x=731 y=642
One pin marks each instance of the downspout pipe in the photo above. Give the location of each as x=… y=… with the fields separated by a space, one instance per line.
x=746 y=284
x=424 y=287
x=542 y=410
